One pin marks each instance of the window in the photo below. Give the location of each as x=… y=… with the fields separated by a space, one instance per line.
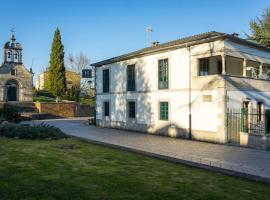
x=259 y=110
x=106 y=108
x=163 y=74
x=86 y=73
x=106 y=80
x=131 y=82
x=16 y=57
x=13 y=72
x=204 y=67
x=131 y=109
x=164 y=111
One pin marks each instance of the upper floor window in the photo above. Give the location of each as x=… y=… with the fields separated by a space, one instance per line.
x=86 y=73
x=203 y=67
x=106 y=80
x=131 y=78
x=163 y=74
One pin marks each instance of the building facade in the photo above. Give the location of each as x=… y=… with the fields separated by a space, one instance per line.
x=183 y=88
x=16 y=81
x=73 y=79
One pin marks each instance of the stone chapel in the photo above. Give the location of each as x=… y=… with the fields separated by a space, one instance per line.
x=16 y=81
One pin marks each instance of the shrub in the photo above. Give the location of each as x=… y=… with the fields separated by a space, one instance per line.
x=31 y=132
x=10 y=113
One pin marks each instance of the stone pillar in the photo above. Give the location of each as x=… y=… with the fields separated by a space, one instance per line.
x=245 y=67
x=223 y=64
x=261 y=70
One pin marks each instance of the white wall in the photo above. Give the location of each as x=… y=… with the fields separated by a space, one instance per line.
x=147 y=95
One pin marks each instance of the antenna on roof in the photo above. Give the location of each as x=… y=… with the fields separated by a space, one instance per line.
x=149 y=31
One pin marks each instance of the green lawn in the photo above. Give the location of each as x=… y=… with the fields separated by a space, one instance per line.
x=43 y=99
x=42 y=170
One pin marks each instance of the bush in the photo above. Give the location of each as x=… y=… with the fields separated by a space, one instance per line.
x=31 y=132
x=10 y=114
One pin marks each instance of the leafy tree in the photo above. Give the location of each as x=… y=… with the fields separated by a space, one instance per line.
x=260 y=28
x=56 y=72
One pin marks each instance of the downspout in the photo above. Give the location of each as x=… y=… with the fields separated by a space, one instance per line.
x=95 y=110
x=189 y=96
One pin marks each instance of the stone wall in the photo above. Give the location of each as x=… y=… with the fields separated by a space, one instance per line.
x=254 y=141
x=63 y=109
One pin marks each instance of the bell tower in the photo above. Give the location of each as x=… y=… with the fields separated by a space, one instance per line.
x=12 y=50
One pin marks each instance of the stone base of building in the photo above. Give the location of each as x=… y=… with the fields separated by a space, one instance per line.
x=255 y=141
x=169 y=130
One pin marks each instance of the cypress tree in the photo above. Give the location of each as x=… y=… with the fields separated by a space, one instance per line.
x=56 y=73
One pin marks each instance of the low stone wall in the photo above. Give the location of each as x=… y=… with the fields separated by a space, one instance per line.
x=255 y=141
x=65 y=109
x=164 y=129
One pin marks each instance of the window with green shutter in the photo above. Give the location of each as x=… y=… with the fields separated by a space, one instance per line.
x=163 y=74
x=131 y=109
x=131 y=81
x=163 y=110
x=106 y=108
x=106 y=80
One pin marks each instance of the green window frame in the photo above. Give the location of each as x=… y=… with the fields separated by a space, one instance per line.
x=132 y=109
x=106 y=80
x=163 y=74
x=131 y=78
x=164 y=111
x=106 y=107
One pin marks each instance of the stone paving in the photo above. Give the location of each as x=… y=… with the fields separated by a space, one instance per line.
x=237 y=159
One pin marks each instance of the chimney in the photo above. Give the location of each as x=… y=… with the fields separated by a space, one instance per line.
x=235 y=34
x=154 y=44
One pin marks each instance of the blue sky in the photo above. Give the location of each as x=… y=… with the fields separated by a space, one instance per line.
x=103 y=29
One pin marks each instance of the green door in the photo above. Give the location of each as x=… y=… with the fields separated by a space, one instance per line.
x=12 y=94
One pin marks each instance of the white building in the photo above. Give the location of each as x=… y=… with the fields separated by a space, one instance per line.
x=183 y=88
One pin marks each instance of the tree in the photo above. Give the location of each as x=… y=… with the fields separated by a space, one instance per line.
x=78 y=63
x=56 y=72
x=260 y=28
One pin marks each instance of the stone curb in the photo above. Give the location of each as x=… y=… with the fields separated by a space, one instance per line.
x=179 y=161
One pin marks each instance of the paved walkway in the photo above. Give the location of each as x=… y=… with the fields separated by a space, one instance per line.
x=236 y=159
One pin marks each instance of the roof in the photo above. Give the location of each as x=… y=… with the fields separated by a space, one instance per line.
x=180 y=43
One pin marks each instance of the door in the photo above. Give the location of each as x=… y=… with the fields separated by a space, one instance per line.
x=12 y=93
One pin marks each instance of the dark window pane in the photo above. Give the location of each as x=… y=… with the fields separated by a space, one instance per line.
x=106 y=80
x=204 y=67
x=131 y=78
x=106 y=108
x=131 y=109
x=86 y=73
x=164 y=111
x=13 y=72
x=163 y=74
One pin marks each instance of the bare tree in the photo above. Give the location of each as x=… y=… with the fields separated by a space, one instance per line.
x=78 y=63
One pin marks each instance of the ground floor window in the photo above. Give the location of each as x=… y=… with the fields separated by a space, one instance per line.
x=131 y=109
x=106 y=108
x=163 y=111
x=260 y=110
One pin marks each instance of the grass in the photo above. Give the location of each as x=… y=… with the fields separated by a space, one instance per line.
x=83 y=100
x=42 y=170
x=43 y=99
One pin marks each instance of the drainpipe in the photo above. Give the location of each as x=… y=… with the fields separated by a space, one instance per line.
x=189 y=96
x=95 y=86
